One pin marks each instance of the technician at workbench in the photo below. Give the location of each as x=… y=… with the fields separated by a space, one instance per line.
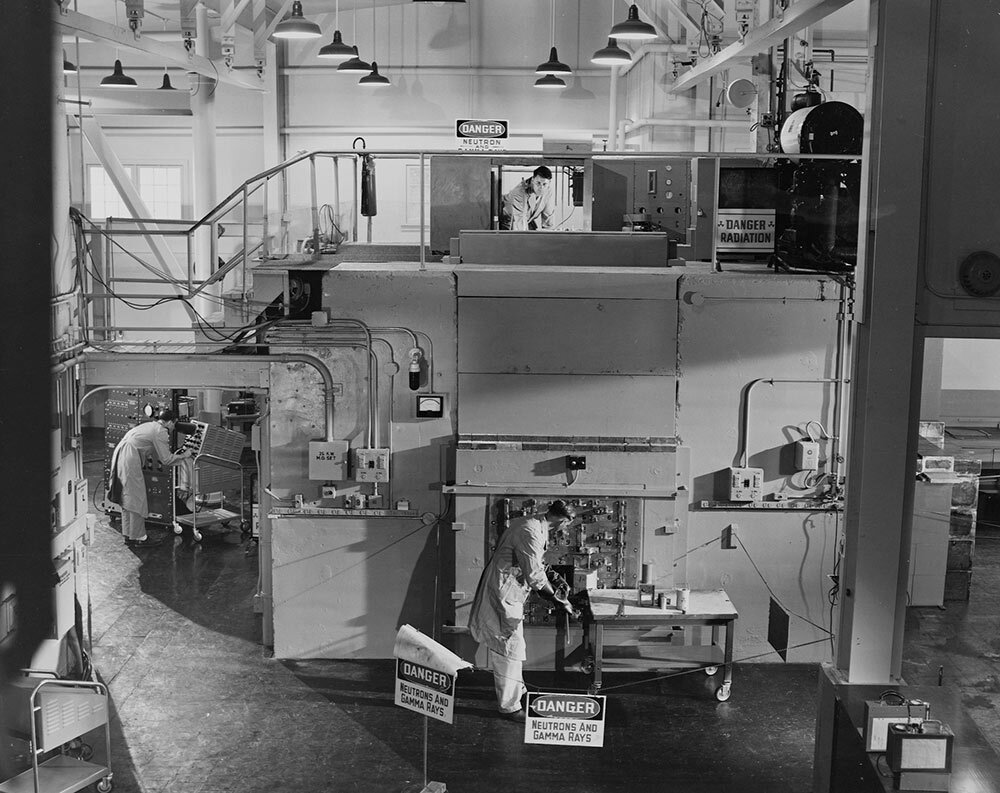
x=516 y=567
x=128 y=485
x=529 y=206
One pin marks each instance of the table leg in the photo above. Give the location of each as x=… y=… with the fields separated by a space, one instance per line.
x=723 y=691
x=597 y=646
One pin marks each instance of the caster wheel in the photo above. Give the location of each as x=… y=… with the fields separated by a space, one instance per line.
x=104 y=786
x=178 y=529
x=722 y=693
x=197 y=535
x=711 y=670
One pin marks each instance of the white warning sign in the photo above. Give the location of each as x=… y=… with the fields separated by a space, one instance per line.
x=744 y=230
x=474 y=134
x=425 y=690
x=565 y=719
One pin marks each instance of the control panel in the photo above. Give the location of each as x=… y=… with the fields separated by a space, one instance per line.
x=371 y=465
x=604 y=541
x=218 y=442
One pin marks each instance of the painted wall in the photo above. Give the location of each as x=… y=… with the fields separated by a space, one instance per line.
x=750 y=327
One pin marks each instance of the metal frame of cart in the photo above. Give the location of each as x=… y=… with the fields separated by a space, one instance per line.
x=192 y=519
x=71 y=718
x=618 y=609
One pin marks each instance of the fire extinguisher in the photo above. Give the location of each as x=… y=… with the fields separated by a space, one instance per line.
x=369 y=202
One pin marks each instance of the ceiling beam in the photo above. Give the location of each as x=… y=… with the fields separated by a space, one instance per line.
x=796 y=16
x=687 y=21
x=95 y=30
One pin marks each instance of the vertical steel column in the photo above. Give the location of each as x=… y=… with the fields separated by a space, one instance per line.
x=889 y=351
x=314 y=205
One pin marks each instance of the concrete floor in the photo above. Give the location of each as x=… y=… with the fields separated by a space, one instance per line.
x=200 y=707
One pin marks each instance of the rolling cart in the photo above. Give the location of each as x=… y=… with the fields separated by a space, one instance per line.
x=51 y=713
x=213 y=474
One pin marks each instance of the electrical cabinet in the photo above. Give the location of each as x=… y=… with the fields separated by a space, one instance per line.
x=657 y=187
x=603 y=540
x=371 y=465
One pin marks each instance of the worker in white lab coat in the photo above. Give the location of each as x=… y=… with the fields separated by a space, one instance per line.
x=516 y=567
x=128 y=485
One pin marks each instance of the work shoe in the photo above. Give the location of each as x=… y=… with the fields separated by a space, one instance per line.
x=515 y=715
x=145 y=542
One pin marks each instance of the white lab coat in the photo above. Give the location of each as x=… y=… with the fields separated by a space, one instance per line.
x=524 y=209
x=515 y=569
x=126 y=462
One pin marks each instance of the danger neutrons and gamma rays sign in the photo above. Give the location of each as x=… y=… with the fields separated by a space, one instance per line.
x=425 y=690
x=565 y=719
x=481 y=134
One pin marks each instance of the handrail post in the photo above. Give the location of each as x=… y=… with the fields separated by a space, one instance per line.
x=190 y=263
x=246 y=246
x=336 y=193
x=423 y=261
x=314 y=207
x=264 y=250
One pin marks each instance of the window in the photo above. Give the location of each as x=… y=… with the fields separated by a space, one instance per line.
x=159 y=186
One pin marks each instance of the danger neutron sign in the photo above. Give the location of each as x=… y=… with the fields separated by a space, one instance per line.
x=565 y=719
x=481 y=134
x=744 y=230
x=425 y=690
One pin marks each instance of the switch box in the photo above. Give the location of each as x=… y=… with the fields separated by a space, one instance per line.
x=576 y=463
x=81 y=497
x=806 y=455
x=371 y=465
x=746 y=484
x=328 y=460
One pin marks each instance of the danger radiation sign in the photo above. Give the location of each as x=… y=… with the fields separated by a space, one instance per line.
x=744 y=230
x=481 y=134
x=565 y=719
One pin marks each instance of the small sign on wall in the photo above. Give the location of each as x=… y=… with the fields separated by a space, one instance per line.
x=481 y=134
x=744 y=230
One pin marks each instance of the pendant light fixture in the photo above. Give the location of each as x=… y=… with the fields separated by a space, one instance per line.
x=553 y=66
x=550 y=81
x=296 y=26
x=612 y=55
x=374 y=79
x=337 y=50
x=166 y=84
x=68 y=66
x=118 y=78
x=355 y=65
x=633 y=28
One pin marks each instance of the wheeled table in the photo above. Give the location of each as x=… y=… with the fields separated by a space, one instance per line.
x=618 y=610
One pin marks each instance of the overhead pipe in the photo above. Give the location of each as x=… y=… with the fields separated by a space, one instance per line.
x=177 y=357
